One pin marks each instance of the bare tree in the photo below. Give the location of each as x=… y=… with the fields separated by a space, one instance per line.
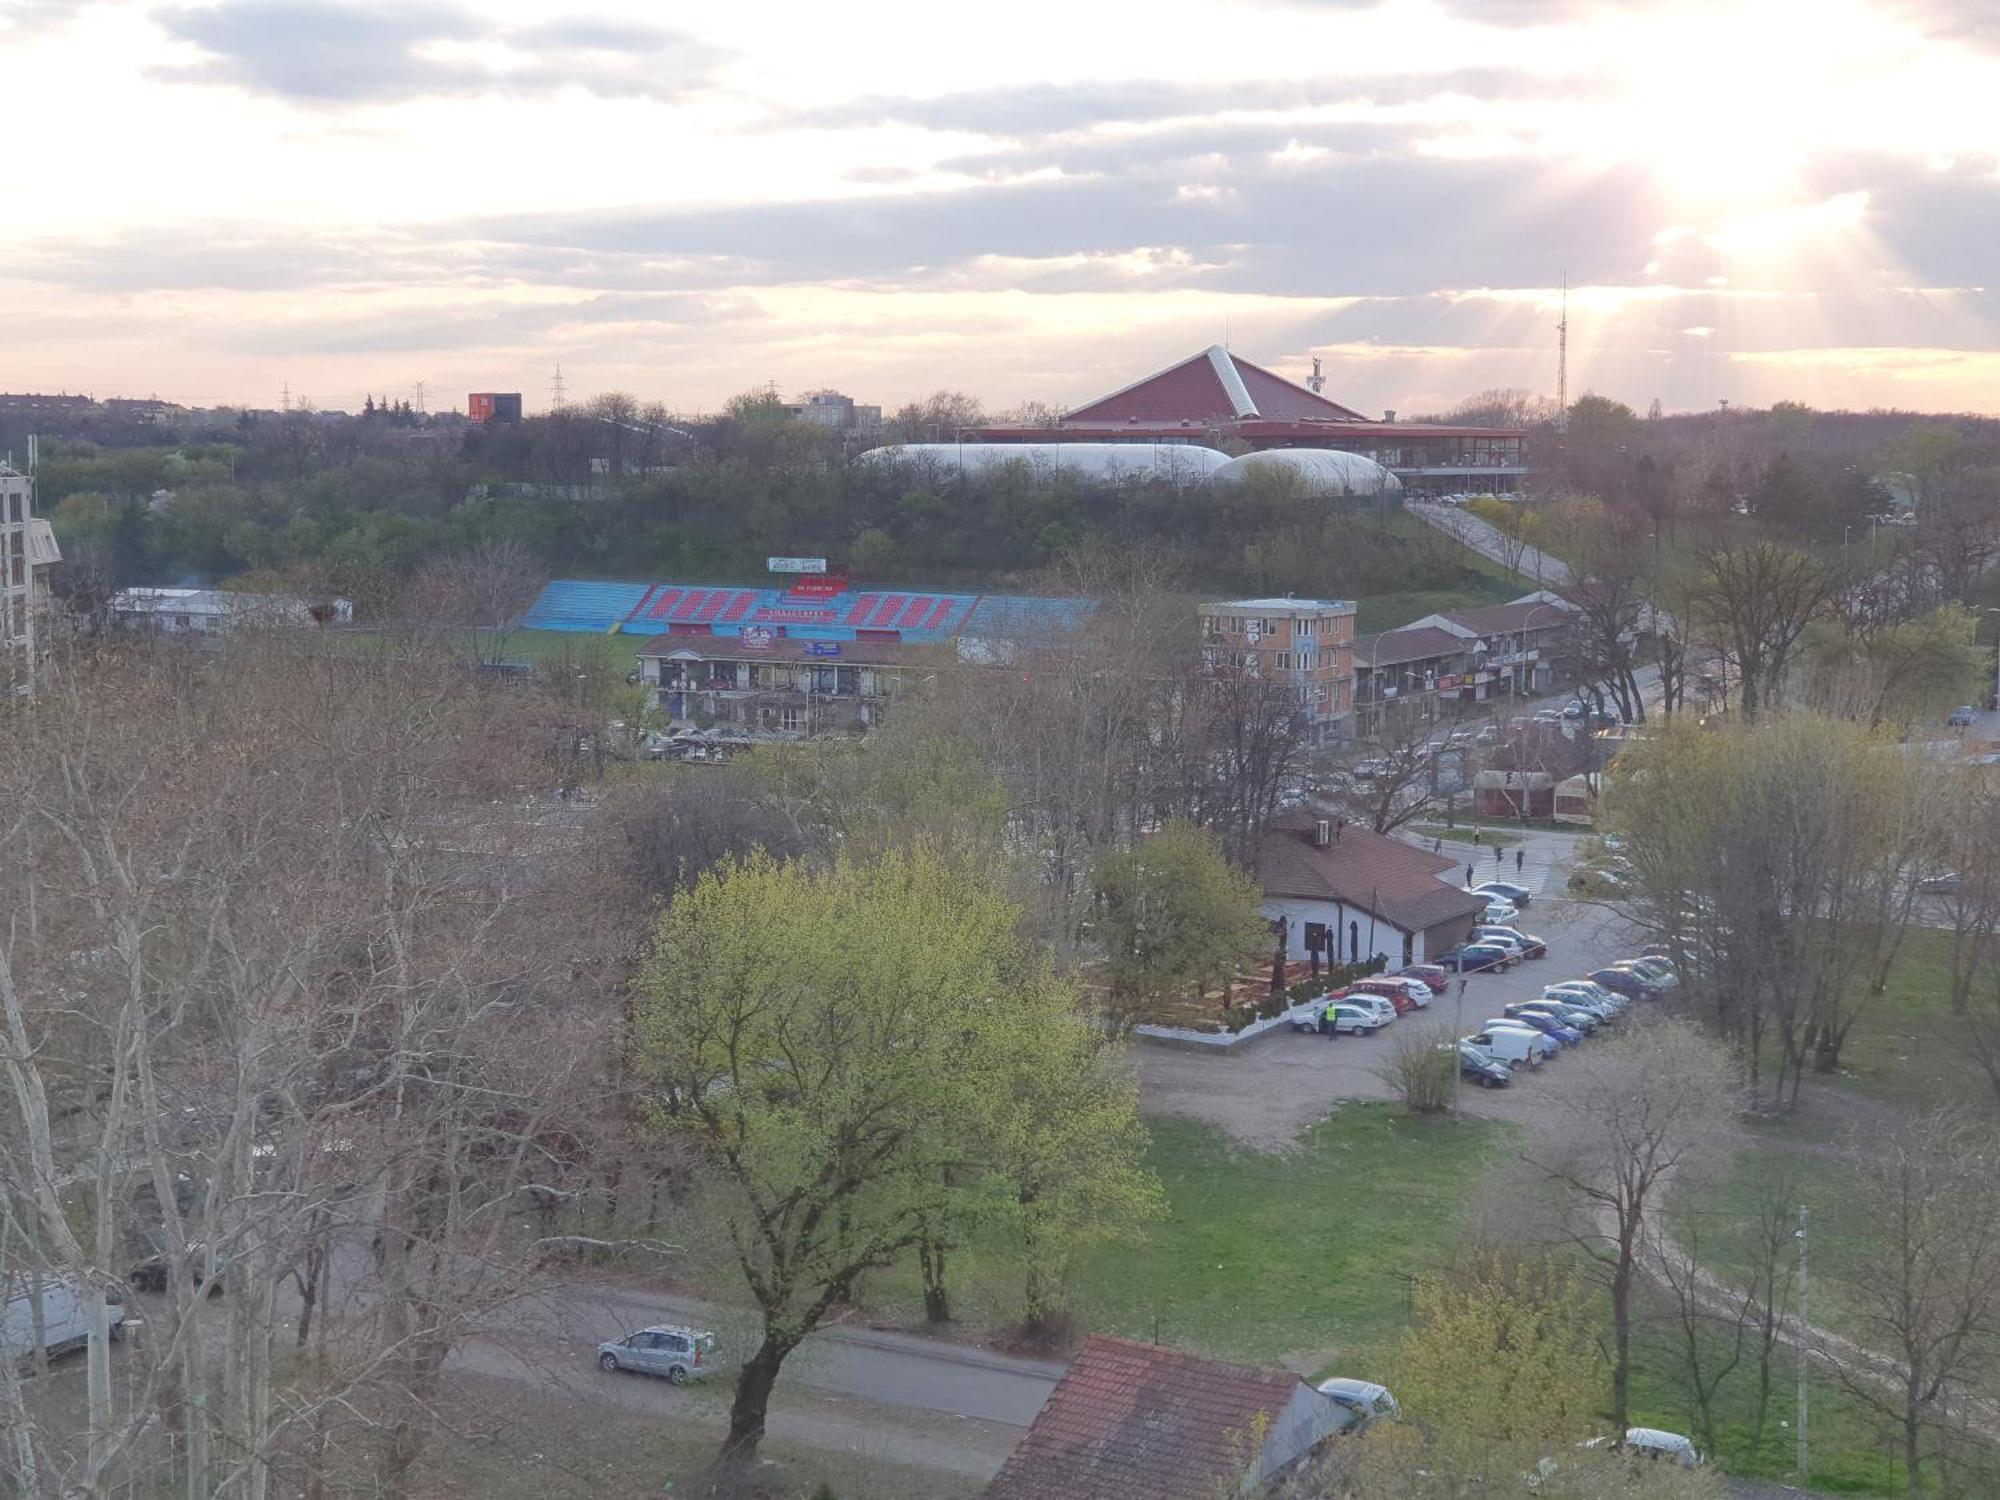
x=1645 y=1110
x=1758 y=598
x=1926 y=1289
x=479 y=596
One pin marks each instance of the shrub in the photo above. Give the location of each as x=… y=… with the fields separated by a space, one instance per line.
x=1423 y=1073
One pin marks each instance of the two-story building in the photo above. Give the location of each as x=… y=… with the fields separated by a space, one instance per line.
x=1462 y=657
x=772 y=686
x=1307 y=644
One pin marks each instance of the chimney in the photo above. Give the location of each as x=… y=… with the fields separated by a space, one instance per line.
x=1389 y=414
x=1322 y=834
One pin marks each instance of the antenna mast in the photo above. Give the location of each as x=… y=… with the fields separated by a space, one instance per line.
x=1562 y=360
x=1315 y=382
x=556 y=390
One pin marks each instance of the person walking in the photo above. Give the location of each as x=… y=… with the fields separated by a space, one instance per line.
x=1498 y=854
x=1470 y=875
x=1520 y=859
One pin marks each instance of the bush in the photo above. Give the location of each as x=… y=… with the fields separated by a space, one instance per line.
x=1423 y=1073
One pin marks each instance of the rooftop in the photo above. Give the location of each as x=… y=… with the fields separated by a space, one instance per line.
x=1212 y=385
x=1278 y=606
x=1394 y=880
x=1132 y=1421
x=1392 y=648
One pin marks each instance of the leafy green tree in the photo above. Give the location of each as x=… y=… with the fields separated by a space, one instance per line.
x=837 y=1038
x=1173 y=912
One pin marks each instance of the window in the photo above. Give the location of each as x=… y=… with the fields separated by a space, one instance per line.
x=1284 y=661
x=1303 y=629
x=791 y=719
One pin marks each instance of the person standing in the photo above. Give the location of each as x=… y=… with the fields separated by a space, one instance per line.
x=1520 y=859
x=1470 y=874
x=1327 y=1019
x=1498 y=854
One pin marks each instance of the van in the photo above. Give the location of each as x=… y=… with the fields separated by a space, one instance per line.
x=65 y=1317
x=1508 y=1045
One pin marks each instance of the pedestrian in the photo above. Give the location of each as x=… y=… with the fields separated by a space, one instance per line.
x=1475 y=836
x=1520 y=859
x=1437 y=844
x=1327 y=1018
x=1470 y=875
x=1498 y=854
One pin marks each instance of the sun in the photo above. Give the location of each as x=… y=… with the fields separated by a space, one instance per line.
x=1727 y=103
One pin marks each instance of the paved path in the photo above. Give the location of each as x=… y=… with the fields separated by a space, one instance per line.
x=1488 y=542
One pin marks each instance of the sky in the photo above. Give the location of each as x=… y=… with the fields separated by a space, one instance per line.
x=217 y=201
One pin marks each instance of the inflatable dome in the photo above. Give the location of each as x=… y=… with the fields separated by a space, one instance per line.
x=1323 y=472
x=1178 y=463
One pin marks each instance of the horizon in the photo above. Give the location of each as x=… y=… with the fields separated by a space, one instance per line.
x=244 y=196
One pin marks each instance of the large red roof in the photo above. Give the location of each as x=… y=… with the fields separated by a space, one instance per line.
x=1213 y=386
x=1136 y=1422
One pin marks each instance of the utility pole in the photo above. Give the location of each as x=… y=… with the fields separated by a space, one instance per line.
x=1562 y=360
x=1799 y=1234
x=556 y=391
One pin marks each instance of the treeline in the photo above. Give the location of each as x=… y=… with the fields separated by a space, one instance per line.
x=610 y=491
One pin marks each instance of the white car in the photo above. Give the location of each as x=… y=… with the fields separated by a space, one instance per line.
x=1362 y=1396
x=1499 y=914
x=1384 y=1011
x=1654 y=1443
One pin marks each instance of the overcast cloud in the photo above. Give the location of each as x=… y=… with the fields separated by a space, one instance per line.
x=1749 y=200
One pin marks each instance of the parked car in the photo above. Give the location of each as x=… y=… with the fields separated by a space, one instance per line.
x=1407 y=993
x=1945 y=884
x=1476 y=1067
x=1434 y=975
x=1494 y=937
x=1543 y=1021
x=1362 y=1396
x=1475 y=958
x=1655 y=971
x=1381 y=1007
x=1626 y=983
x=1499 y=913
x=1575 y=1017
x=1576 y=708
x=1358 y=1020
x=1962 y=717
x=1505 y=890
x=680 y=1354
x=1591 y=1001
x=1652 y=1442
x=1530 y=945
x=65 y=1316
x=1509 y=1044
x=149 y=1272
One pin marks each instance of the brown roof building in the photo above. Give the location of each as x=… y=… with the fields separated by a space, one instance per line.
x=1217 y=397
x=1350 y=894
x=1133 y=1421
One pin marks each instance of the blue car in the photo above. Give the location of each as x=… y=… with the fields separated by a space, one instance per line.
x=1545 y=1023
x=1474 y=958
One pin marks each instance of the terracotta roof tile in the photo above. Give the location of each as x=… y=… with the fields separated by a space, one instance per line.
x=1136 y=1422
x=1396 y=881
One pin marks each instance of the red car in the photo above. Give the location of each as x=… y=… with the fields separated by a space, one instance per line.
x=1396 y=989
x=1431 y=974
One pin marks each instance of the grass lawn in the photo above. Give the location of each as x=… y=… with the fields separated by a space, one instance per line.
x=546 y=645
x=1306 y=1255
x=1907 y=1048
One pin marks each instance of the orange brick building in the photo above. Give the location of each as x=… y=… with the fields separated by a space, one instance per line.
x=1305 y=643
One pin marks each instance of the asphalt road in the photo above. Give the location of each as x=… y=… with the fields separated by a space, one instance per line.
x=552 y=1342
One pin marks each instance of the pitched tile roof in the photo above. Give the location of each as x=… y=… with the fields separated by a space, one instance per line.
x=1211 y=386
x=1416 y=643
x=1396 y=881
x=1133 y=1421
x=1520 y=614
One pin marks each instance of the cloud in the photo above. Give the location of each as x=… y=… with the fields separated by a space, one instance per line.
x=1045 y=111
x=333 y=52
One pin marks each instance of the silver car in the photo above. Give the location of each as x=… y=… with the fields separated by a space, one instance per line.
x=680 y=1354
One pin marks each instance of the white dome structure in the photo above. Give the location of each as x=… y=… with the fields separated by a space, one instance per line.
x=1324 y=473
x=1177 y=463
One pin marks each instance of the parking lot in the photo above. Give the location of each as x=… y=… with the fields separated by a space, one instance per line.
x=1270 y=1090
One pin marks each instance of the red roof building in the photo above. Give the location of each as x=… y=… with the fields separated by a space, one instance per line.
x=1216 y=397
x=1134 y=1421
